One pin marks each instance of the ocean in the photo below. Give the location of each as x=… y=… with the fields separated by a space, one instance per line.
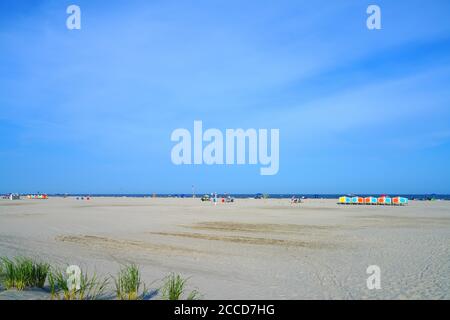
x=253 y=195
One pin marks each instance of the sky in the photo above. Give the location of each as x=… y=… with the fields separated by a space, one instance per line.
x=92 y=110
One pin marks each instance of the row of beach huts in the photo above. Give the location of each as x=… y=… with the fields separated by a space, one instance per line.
x=16 y=196
x=383 y=200
x=37 y=196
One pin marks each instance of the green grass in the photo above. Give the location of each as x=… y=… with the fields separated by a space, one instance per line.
x=39 y=274
x=2 y=274
x=21 y=273
x=128 y=283
x=8 y=273
x=91 y=287
x=174 y=287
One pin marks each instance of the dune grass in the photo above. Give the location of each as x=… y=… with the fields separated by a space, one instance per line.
x=2 y=274
x=174 y=288
x=20 y=273
x=90 y=287
x=128 y=284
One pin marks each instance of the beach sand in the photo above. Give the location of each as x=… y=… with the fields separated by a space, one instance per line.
x=250 y=249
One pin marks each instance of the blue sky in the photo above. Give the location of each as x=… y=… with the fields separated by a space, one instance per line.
x=92 y=110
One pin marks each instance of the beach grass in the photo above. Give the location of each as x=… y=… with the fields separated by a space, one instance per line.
x=88 y=288
x=8 y=273
x=174 y=287
x=39 y=274
x=2 y=273
x=21 y=272
x=128 y=283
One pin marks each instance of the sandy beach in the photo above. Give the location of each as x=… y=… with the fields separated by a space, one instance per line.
x=250 y=249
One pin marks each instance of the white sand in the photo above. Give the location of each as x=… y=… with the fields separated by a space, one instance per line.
x=252 y=249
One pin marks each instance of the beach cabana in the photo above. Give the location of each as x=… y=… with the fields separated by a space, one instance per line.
x=400 y=200
x=381 y=200
x=370 y=200
x=37 y=196
x=387 y=200
x=344 y=200
x=355 y=200
x=360 y=200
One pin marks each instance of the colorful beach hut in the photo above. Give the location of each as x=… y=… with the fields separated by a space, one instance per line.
x=387 y=200
x=370 y=200
x=357 y=200
x=344 y=200
x=37 y=196
x=399 y=201
x=381 y=200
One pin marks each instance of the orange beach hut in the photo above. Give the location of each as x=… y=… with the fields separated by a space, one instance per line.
x=370 y=200
x=399 y=201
